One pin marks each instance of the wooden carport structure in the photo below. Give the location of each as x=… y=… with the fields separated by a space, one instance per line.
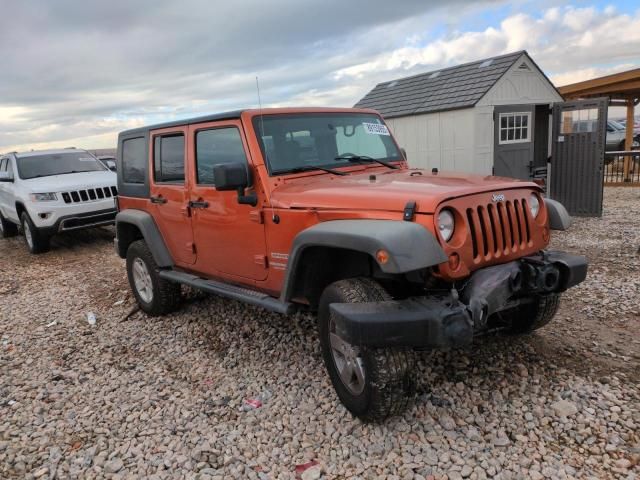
x=622 y=89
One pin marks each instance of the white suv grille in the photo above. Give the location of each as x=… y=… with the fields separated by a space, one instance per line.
x=89 y=195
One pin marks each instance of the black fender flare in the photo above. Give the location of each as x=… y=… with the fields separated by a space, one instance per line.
x=150 y=232
x=559 y=218
x=410 y=245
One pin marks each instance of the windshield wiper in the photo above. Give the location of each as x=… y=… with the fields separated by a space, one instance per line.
x=365 y=158
x=309 y=168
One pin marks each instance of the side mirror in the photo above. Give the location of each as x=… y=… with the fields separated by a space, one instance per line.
x=234 y=176
x=6 y=177
x=404 y=152
x=111 y=165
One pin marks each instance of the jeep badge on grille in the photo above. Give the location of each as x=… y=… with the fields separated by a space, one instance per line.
x=498 y=197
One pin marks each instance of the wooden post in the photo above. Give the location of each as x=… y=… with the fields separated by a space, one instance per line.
x=629 y=138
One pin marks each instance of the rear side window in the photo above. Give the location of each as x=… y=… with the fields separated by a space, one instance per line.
x=133 y=160
x=213 y=147
x=168 y=158
x=3 y=164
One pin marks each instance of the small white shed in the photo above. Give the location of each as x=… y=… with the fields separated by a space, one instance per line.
x=488 y=116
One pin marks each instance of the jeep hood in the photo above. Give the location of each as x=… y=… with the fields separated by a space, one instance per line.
x=71 y=181
x=387 y=191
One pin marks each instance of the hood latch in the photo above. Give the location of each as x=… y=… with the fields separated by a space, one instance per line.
x=409 y=211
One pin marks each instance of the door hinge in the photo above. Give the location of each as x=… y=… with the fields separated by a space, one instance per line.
x=256 y=216
x=261 y=260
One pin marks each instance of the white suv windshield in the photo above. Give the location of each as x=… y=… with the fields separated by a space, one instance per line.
x=48 y=164
x=297 y=142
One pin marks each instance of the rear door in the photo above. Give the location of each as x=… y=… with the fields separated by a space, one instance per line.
x=229 y=237
x=577 y=159
x=169 y=192
x=513 y=141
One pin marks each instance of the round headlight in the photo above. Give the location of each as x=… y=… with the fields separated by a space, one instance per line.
x=446 y=224
x=534 y=205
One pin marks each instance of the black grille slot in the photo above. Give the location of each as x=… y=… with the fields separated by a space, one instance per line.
x=100 y=193
x=66 y=197
x=83 y=195
x=114 y=191
x=472 y=230
x=92 y=193
x=107 y=192
x=75 y=196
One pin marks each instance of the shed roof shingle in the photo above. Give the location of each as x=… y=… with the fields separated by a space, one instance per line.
x=454 y=87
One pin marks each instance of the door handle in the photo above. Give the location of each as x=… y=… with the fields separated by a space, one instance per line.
x=159 y=199
x=199 y=204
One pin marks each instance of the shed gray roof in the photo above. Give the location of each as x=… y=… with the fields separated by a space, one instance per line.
x=449 y=88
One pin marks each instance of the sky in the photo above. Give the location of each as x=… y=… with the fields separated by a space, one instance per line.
x=75 y=73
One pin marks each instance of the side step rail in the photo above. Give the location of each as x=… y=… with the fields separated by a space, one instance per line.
x=246 y=295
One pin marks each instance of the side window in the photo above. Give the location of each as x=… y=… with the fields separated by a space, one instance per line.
x=8 y=167
x=3 y=164
x=134 y=160
x=168 y=158
x=213 y=147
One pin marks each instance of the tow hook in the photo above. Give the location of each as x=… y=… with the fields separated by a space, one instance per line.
x=540 y=275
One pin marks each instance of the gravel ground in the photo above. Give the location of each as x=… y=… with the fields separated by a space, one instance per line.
x=167 y=397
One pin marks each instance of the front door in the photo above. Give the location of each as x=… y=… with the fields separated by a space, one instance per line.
x=577 y=155
x=229 y=237
x=169 y=192
x=513 y=141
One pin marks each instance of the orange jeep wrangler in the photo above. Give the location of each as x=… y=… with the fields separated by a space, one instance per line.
x=316 y=209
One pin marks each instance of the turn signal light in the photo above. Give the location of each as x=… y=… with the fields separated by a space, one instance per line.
x=382 y=256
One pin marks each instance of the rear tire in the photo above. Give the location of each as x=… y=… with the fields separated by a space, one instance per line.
x=155 y=295
x=376 y=383
x=37 y=241
x=7 y=228
x=532 y=316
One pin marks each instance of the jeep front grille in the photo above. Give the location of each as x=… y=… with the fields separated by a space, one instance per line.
x=499 y=228
x=89 y=195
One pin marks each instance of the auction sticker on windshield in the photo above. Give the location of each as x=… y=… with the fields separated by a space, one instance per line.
x=375 y=129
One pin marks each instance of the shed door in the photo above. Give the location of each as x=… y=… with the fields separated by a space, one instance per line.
x=513 y=147
x=577 y=158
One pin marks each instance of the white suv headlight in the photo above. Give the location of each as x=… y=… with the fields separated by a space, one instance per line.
x=534 y=205
x=43 y=197
x=446 y=224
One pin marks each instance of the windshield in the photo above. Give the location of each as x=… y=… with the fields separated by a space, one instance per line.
x=45 y=165
x=299 y=142
x=617 y=125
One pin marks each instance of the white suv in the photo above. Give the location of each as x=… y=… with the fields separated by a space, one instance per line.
x=52 y=191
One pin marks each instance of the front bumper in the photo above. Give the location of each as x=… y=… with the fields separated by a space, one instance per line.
x=446 y=321
x=81 y=221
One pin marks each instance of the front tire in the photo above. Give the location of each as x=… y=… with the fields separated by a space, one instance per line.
x=532 y=316
x=37 y=241
x=372 y=383
x=155 y=295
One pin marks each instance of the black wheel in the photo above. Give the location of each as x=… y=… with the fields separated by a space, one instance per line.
x=155 y=295
x=37 y=241
x=7 y=228
x=532 y=316
x=373 y=384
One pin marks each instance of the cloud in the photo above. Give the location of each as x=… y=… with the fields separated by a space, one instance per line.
x=564 y=42
x=79 y=72
x=69 y=65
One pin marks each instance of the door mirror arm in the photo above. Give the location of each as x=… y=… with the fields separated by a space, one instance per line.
x=251 y=199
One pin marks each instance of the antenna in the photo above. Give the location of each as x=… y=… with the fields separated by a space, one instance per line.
x=274 y=217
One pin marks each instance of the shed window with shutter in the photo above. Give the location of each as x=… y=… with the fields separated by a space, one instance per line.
x=515 y=127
